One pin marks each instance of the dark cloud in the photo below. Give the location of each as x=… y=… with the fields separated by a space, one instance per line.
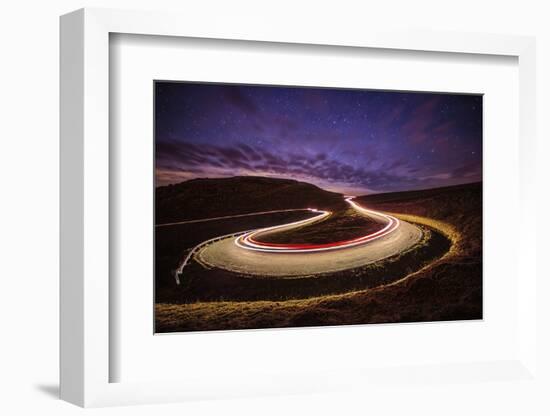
x=468 y=170
x=212 y=160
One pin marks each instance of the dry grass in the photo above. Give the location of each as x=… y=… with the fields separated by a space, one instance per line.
x=448 y=230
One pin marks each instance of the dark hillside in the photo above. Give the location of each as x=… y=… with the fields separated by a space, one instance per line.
x=204 y=198
x=459 y=205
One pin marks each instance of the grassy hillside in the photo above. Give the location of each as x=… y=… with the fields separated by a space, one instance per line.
x=204 y=198
x=449 y=288
x=459 y=205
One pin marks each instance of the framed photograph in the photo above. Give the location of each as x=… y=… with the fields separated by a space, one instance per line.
x=280 y=206
x=270 y=212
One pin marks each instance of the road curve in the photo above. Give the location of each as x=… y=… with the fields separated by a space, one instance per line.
x=244 y=254
x=178 y=272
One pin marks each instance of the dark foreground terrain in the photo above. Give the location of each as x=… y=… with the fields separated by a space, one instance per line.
x=439 y=280
x=205 y=198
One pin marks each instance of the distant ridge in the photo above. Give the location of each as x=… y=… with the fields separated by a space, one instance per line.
x=424 y=193
x=209 y=197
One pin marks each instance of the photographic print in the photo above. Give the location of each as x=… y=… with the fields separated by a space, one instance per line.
x=282 y=206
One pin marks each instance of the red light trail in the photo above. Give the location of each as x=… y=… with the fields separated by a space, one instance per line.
x=249 y=242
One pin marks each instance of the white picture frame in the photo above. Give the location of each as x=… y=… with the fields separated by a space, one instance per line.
x=85 y=165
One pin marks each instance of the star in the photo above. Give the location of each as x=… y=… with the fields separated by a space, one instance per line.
x=286 y=127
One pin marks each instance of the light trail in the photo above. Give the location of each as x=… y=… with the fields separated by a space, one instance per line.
x=248 y=242
x=179 y=271
x=245 y=239
x=225 y=217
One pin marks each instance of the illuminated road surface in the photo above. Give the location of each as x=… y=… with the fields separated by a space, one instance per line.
x=245 y=254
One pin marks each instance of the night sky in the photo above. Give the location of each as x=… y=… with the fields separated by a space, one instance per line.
x=350 y=141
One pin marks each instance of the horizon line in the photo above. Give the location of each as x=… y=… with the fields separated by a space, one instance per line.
x=324 y=189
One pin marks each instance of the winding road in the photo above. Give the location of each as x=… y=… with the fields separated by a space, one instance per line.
x=244 y=253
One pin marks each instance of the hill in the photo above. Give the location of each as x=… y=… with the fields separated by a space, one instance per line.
x=459 y=205
x=443 y=192
x=448 y=288
x=204 y=198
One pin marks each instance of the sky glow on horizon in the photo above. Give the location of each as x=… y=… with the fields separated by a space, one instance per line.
x=345 y=140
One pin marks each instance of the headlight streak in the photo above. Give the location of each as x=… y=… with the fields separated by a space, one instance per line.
x=179 y=271
x=247 y=241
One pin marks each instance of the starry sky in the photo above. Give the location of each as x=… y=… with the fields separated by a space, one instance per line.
x=345 y=140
